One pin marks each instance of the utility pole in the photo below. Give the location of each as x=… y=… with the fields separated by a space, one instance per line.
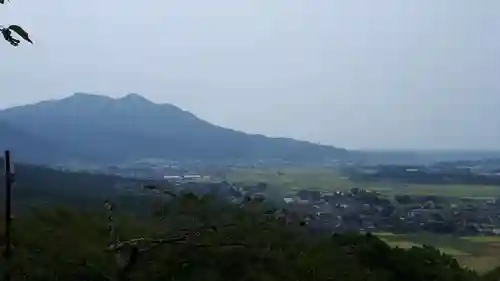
x=8 y=217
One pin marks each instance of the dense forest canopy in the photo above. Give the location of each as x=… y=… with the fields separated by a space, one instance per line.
x=212 y=241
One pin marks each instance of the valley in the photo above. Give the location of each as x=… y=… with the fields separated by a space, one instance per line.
x=92 y=149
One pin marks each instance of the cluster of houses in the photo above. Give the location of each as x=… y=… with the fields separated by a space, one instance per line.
x=364 y=210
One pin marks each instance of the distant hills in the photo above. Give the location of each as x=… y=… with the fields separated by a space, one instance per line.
x=99 y=129
x=42 y=186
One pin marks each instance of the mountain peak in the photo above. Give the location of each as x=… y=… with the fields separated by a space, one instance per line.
x=133 y=97
x=82 y=95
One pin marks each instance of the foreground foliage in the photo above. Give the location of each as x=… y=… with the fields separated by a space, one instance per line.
x=211 y=241
x=7 y=33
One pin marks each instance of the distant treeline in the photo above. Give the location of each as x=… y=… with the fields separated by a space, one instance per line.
x=41 y=186
x=421 y=176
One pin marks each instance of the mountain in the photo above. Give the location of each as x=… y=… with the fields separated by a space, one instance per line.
x=101 y=129
x=27 y=147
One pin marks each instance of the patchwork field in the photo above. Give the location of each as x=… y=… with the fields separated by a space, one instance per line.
x=479 y=253
x=290 y=180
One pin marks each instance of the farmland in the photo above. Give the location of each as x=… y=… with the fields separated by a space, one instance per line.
x=323 y=179
x=481 y=253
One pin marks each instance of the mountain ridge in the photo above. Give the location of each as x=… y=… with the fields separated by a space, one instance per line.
x=101 y=129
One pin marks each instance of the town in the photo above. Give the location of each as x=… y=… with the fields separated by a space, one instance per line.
x=362 y=210
x=354 y=209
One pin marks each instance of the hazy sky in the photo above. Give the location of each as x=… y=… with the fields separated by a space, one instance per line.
x=419 y=74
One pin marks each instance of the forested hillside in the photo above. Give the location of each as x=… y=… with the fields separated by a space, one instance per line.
x=27 y=146
x=41 y=186
x=195 y=239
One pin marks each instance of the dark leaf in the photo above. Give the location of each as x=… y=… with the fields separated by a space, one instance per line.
x=7 y=35
x=19 y=30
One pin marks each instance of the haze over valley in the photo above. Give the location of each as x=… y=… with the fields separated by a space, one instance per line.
x=250 y=140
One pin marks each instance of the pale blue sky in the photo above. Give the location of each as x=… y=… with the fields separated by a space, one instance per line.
x=418 y=74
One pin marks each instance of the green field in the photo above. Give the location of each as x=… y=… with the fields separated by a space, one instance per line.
x=291 y=180
x=481 y=253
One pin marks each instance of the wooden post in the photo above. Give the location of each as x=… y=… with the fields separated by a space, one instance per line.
x=8 y=217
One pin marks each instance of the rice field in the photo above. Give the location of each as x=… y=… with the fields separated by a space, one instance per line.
x=290 y=180
x=481 y=253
